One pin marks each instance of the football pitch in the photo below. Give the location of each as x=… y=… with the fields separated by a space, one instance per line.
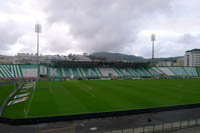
x=5 y=90
x=55 y=98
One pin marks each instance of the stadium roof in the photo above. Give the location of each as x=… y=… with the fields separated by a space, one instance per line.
x=194 y=50
x=101 y=64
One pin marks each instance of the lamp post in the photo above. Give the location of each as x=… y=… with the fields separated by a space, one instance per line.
x=38 y=30
x=153 y=39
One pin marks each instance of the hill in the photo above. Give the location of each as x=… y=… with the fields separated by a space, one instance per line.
x=117 y=57
x=106 y=56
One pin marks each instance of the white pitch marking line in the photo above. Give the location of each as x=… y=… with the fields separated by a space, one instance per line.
x=26 y=113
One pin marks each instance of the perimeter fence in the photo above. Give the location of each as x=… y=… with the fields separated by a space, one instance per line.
x=159 y=128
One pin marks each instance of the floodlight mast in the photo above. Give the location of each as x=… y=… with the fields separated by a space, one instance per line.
x=38 y=30
x=153 y=39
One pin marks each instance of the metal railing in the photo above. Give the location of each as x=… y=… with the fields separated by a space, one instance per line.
x=159 y=128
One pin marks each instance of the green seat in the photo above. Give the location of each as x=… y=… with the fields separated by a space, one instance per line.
x=124 y=72
x=10 y=71
x=179 y=71
x=54 y=72
x=66 y=72
x=198 y=70
x=191 y=71
x=153 y=72
x=90 y=72
x=75 y=72
x=145 y=71
x=134 y=70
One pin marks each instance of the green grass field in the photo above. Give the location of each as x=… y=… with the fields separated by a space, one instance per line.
x=78 y=97
x=5 y=90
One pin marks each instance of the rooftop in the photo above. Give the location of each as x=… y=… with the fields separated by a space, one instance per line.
x=194 y=50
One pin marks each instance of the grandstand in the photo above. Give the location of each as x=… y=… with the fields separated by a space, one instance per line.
x=77 y=71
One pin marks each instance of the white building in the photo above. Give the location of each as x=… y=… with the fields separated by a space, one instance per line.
x=25 y=58
x=165 y=63
x=192 y=58
x=180 y=62
x=6 y=59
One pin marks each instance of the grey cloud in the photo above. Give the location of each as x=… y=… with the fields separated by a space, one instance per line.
x=9 y=34
x=189 y=41
x=11 y=6
x=177 y=47
x=102 y=25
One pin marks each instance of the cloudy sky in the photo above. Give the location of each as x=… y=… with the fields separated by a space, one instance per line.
x=77 y=26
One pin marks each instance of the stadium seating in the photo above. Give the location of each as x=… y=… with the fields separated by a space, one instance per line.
x=138 y=74
x=179 y=71
x=153 y=72
x=10 y=71
x=134 y=74
x=54 y=72
x=76 y=72
x=147 y=73
x=29 y=71
x=166 y=71
x=124 y=72
x=43 y=70
x=67 y=72
x=106 y=72
x=90 y=72
x=97 y=68
x=198 y=70
x=191 y=71
x=32 y=71
x=156 y=69
x=141 y=72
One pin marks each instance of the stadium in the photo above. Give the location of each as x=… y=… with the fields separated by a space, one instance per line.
x=68 y=88
x=98 y=66
x=73 y=90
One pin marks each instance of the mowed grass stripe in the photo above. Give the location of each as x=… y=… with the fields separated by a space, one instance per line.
x=42 y=102
x=99 y=96
x=5 y=90
x=78 y=97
